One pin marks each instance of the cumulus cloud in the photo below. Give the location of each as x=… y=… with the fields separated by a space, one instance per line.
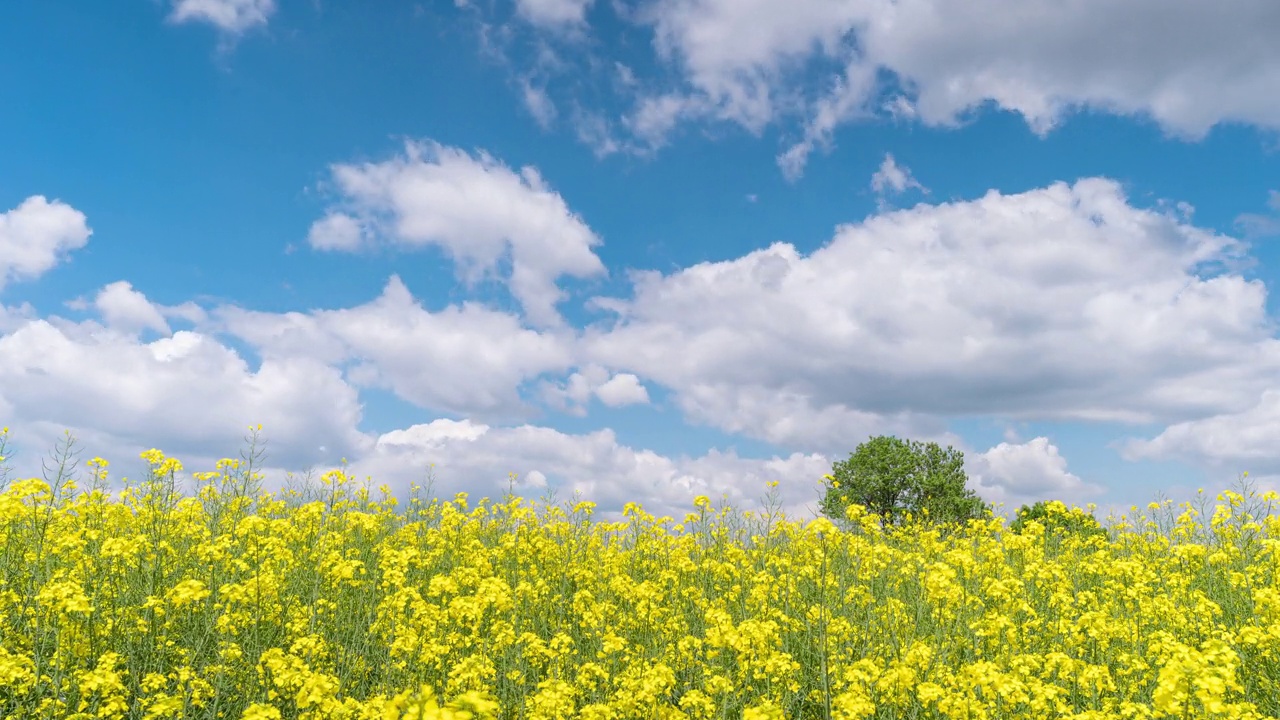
x=593 y=380
x=622 y=389
x=336 y=231
x=184 y=393
x=1059 y=303
x=1023 y=473
x=477 y=458
x=466 y=359
x=128 y=310
x=13 y=317
x=194 y=398
x=1186 y=65
x=476 y=209
x=792 y=418
x=1244 y=440
x=36 y=235
x=231 y=16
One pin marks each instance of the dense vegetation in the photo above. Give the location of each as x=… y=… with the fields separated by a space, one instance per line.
x=238 y=604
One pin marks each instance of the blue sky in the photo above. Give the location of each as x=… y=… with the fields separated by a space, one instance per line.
x=646 y=249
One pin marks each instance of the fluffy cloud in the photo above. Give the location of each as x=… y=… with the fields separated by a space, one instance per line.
x=1058 y=303
x=35 y=235
x=186 y=393
x=622 y=389
x=128 y=311
x=477 y=209
x=12 y=318
x=1244 y=440
x=336 y=231
x=1185 y=64
x=231 y=16
x=468 y=359
x=194 y=397
x=791 y=418
x=593 y=380
x=1021 y=473
x=477 y=459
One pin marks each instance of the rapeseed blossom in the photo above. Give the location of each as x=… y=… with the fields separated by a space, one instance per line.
x=238 y=604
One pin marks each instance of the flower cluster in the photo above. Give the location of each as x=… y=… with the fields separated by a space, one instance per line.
x=263 y=606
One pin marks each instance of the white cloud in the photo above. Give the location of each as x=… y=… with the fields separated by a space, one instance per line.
x=477 y=458
x=893 y=178
x=625 y=75
x=1186 y=64
x=437 y=432
x=478 y=210
x=846 y=101
x=1059 y=303
x=336 y=231
x=1023 y=473
x=128 y=310
x=735 y=53
x=573 y=395
x=185 y=393
x=791 y=418
x=539 y=104
x=1256 y=225
x=193 y=398
x=553 y=13
x=622 y=389
x=232 y=16
x=594 y=130
x=1245 y=440
x=466 y=359
x=654 y=117
x=12 y=318
x=37 y=234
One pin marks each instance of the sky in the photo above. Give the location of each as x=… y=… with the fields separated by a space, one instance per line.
x=643 y=250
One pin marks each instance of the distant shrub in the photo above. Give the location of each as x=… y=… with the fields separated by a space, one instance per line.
x=1057 y=519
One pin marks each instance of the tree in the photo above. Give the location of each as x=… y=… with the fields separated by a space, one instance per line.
x=1057 y=519
x=893 y=477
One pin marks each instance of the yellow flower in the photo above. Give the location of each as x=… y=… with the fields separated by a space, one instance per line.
x=260 y=711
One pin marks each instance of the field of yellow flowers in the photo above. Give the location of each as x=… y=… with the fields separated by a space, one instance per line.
x=232 y=603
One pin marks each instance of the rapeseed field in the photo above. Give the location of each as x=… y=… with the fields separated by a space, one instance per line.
x=234 y=603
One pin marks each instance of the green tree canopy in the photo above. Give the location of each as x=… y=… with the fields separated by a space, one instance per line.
x=893 y=477
x=1057 y=518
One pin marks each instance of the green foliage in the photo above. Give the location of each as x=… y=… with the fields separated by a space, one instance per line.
x=893 y=477
x=1057 y=519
